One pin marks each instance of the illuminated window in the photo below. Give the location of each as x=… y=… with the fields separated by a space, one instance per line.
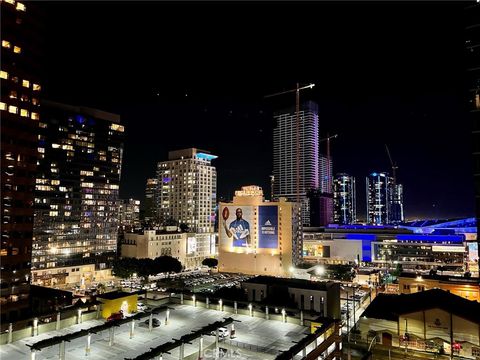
x=26 y=83
x=10 y=1
x=35 y=101
x=36 y=87
x=24 y=112
x=17 y=49
x=42 y=125
x=21 y=7
x=3 y=106
x=6 y=44
x=15 y=79
x=13 y=94
x=12 y=109
x=117 y=127
x=35 y=116
x=24 y=98
x=3 y=74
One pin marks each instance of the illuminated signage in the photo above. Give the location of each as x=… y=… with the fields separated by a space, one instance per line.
x=268 y=227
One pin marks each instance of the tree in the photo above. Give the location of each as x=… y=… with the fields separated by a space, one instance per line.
x=166 y=264
x=210 y=262
x=124 y=268
x=341 y=272
x=398 y=270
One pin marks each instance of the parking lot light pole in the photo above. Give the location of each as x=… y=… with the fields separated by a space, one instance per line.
x=200 y=347
x=235 y=307
x=284 y=318
x=167 y=317
x=132 y=328
x=194 y=300
x=250 y=307
x=87 y=349
x=150 y=322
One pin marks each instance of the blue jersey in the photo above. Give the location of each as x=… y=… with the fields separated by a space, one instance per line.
x=240 y=230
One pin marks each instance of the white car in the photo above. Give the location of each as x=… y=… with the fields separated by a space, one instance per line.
x=222 y=332
x=141 y=307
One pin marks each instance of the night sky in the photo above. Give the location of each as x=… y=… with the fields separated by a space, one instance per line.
x=195 y=74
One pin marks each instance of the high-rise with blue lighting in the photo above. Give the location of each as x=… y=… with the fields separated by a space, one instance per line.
x=287 y=152
x=187 y=190
x=379 y=194
x=344 y=199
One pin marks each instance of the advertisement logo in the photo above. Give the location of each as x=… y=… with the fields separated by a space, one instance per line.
x=268 y=230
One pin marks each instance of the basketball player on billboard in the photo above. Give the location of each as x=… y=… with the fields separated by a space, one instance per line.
x=239 y=228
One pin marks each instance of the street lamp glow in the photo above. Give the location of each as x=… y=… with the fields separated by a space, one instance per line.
x=319 y=270
x=291 y=269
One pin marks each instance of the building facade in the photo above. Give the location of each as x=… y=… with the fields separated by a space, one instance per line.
x=322 y=297
x=378 y=198
x=189 y=248
x=129 y=212
x=258 y=237
x=292 y=153
x=20 y=81
x=434 y=321
x=472 y=84
x=150 y=202
x=76 y=194
x=187 y=190
x=344 y=199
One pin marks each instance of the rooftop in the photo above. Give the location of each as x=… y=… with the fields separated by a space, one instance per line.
x=390 y=307
x=292 y=283
x=115 y=295
x=446 y=278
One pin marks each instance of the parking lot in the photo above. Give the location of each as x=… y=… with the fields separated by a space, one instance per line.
x=251 y=335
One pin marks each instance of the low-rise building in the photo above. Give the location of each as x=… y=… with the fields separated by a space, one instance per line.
x=189 y=248
x=322 y=297
x=467 y=288
x=113 y=302
x=432 y=320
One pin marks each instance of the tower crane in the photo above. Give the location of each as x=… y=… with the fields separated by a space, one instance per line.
x=394 y=166
x=297 y=129
x=329 y=176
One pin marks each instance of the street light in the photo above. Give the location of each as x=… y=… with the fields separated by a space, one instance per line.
x=320 y=270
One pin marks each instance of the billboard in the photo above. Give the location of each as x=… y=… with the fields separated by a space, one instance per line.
x=268 y=227
x=236 y=226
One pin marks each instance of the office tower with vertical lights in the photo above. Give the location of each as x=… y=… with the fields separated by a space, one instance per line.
x=290 y=150
x=76 y=194
x=20 y=80
x=129 y=213
x=187 y=190
x=344 y=198
x=150 y=202
x=379 y=188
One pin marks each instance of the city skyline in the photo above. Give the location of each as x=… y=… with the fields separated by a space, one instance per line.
x=206 y=90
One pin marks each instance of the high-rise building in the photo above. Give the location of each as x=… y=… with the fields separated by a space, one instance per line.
x=379 y=187
x=472 y=83
x=290 y=152
x=20 y=76
x=187 y=190
x=129 y=212
x=150 y=202
x=397 y=215
x=76 y=194
x=344 y=197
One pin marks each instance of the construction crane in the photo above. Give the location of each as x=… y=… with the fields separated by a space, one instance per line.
x=394 y=166
x=329 y=176
x=297 y=128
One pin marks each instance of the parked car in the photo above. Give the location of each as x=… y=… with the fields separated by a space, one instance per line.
x=155 y=322
x=222 y=332
x=116 y=316
x=141 y=306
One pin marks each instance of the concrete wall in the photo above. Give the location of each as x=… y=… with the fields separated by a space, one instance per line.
x=46 y=327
